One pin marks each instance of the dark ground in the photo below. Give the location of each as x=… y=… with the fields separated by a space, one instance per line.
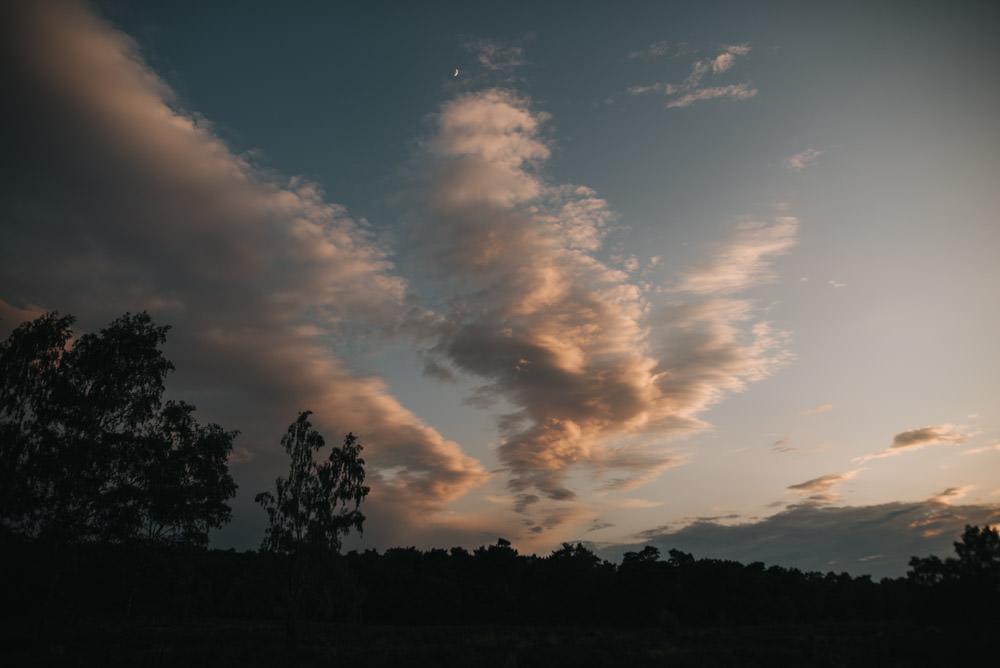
x=248 y=645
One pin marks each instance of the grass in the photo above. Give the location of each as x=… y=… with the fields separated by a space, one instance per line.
x=248 y=645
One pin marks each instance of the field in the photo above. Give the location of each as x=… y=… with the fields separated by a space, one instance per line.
x=249 y=645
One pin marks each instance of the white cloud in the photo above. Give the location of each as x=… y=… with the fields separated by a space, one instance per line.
x=819 y=409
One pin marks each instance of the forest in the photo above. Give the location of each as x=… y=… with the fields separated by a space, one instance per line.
x=108 y=495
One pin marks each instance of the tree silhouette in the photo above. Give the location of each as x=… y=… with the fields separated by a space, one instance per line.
x=88 y=451
x=313 y=507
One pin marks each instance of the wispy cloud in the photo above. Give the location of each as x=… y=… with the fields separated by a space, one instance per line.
x=654 y=50
x=743 y=261
x=977 y=451
x=918 y=438
x=664 y=88
x=781 y=445
x=819 y=409
x=562 y=336
x=952 y=494
x=915 y=439
x=690 y=91
x=496 y=56
x=818 y=490
x=741 y=91
x=800 y=161
x=837 y=284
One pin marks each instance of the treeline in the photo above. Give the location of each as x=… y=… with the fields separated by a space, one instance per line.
x=108 y=495
x=492 y=585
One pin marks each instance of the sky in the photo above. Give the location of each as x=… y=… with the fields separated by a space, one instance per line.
x=719 y=277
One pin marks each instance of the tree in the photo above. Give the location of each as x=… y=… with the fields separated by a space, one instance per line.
x=313 y=507
x=89 y=451
x=979 y=554
x=318 y=502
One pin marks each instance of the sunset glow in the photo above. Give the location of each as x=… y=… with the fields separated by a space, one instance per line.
x=710 y=277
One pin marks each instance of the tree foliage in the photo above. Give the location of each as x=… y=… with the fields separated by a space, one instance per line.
x=318 y=502
x=88 y=449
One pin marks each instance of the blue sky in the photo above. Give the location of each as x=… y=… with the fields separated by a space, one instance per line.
x=714 y=276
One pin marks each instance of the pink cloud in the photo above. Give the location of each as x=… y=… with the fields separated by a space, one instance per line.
x=559 y=334
x=743 y=261
x=145 y=207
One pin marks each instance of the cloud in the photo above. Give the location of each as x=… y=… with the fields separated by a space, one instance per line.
x=800 y=161
x=837 y=284
x=598 y=379
x=11 y=316
x=598 y=524
x=664 y=88
x=781 y=445
x=951 y=494
x=727 y=58
x=989 y=448
x=918 y=438
x=654 y=50
x=637 y=503
x=496 y=57
x=822 y=538
x=915 y=439
x=819 y=409
x=131 y=202
x=740 y=91
x=818 y=489
x=743 y=261
x=690 y=90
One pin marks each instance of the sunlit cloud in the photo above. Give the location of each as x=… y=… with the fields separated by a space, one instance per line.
x=978 y=451
x=952 y=494
x=781 y=445
x=690 y=90
x=915 y=439
x=819 y=409
x=800 y=161
x=837 y=284
x=637 y=503
x=727 y=58
x=743 y=261
x=819 y=490
x=918 y=438
x=663 y=88
x=146 y=207
x=562 y=336
x=741 y=91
